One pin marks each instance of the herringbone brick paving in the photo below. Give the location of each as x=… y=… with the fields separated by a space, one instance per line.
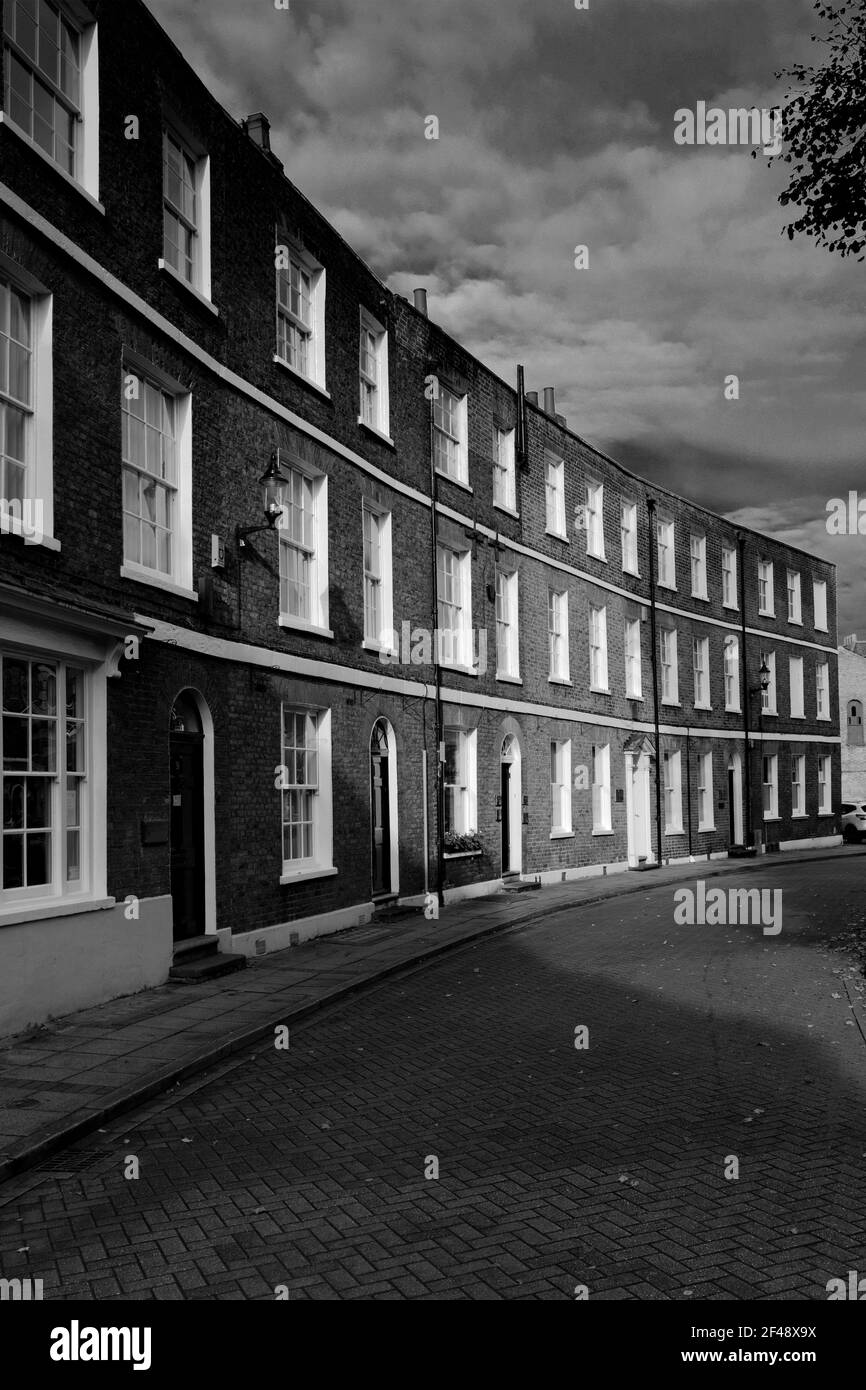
x=557 y=1166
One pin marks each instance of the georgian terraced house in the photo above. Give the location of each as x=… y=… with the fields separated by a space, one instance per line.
x=302 y=609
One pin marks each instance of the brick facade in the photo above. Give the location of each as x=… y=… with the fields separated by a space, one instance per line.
x=116 y=313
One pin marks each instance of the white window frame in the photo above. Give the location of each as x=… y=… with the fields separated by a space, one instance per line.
x=466 y=809
x=672 y=792
x=601 y=798
x=770 y=763
x=796 y=686
x=507 y=625
x=706 y=793
x=180 y=577
x=798 y=786
x=318 y=620
x=825 y=784
x=598 y=676
x=769 y=697
x=766 y=589
x=732 y=644
x=377 y=380
x=595 y=520
x=729 y=577
x=795 y=598
x=632 y=646
x=669 y=662
x=557 y=636
x=628 y=536
x=201 y=280
x=321 y=861
x=313 y=329
x=554 y=497
x=459 y=421
x=36 y=520
x=819 y=586
x=698 y=564
x=33 y=640
x=504 y=471
x=560 y=788
x=666 y=555
x=701 y=672
x=454 y=642
x=383 y=640
x=822 y=690
x=86 y=174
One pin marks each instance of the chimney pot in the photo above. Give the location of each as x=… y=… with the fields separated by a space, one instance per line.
x=549 y=400
x=258 y=128
x=532 y=397
x=420 y=297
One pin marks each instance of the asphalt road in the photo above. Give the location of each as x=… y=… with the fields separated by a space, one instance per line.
x=708 y=1142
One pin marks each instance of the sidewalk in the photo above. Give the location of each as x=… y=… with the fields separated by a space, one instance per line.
x=65 y=1079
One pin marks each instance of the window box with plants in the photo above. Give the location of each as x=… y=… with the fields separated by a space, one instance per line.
x=462 y=846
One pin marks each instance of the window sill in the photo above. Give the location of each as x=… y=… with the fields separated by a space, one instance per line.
x=156 y=581
x=799 y=815
x=766 y=612
x=509 y=511
x=633 y=697
x=190 y=289
x=795 y=622
x=660 y=584
x=11 y=526
x=732 y=607
x=733 y=709
x=56 y=907
x=6 y=120
x=285 y=620
x=562 y=834
x=301 y=875
x=767 y=819
x=508 y=680
x=706 y=829
x=823 y=719
x=769 y=714
x=559 y=680
x=674 y=830
x=458 y=482
x=556 y=535
x=463 y=854
x=306 y=380
x=461 y=670
x=377 y=433
x=672 y=704
x=634 y=574
x=592 y=555
x=369 y=644
x=603 y=831
x=706 y=709
x=600 y=690
x=796 y=716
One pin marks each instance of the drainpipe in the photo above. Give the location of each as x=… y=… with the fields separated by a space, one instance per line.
x=651 y=509
x=437 y=671
x=744 y=684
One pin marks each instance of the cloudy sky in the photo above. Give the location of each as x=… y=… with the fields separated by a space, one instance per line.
x=556 y=130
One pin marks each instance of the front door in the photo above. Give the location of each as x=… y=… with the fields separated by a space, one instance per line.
x=640 y=807
x=380 y=812
x=505 y=790
x=187 y=834
x=732 y=807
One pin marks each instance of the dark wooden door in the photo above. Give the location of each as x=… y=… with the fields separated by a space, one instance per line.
x=187 y=834
x=381 y=821
x=506 y=816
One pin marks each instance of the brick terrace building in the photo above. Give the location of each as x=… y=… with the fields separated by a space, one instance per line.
x=253 y=725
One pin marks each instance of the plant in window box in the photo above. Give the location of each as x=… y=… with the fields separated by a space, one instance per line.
x=462 y=844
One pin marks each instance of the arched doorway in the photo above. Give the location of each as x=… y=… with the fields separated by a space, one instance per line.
x=383 y=810
x=735 y=799
x=510 y=801
x=192 y=817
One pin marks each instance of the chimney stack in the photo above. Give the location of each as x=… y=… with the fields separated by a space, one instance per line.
x=420 y=297
x=258 y=128
x=532 y=397
x=549 y=400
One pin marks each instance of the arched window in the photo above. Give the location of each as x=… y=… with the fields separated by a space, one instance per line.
x=855 y=721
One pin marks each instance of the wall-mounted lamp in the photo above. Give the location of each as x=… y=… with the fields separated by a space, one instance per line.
x=765 y=674
x=273 y=480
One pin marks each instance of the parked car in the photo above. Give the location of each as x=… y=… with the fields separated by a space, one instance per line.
x=853 y=821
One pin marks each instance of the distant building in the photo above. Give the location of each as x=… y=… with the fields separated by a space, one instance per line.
x=474 y=647
x=852 y=701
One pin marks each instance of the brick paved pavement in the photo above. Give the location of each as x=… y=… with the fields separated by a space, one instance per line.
x=557 y=1167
